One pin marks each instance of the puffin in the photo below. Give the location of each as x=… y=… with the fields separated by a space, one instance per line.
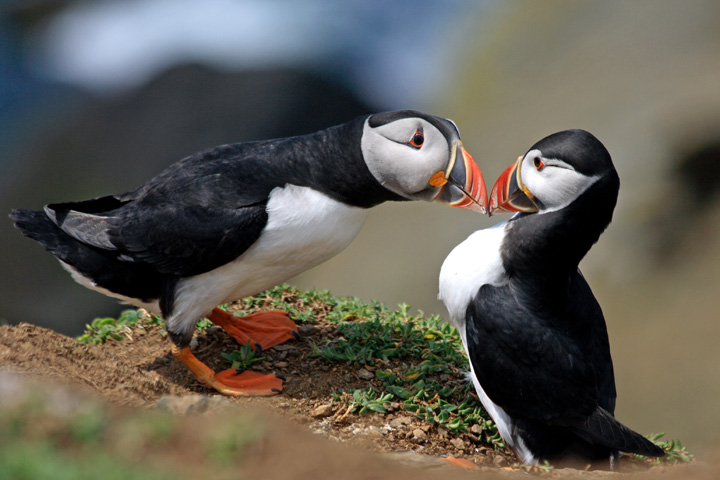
x=534 y=334
x=234 y=220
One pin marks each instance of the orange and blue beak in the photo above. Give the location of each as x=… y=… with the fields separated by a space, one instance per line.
x=509 y=194
x=462 y=184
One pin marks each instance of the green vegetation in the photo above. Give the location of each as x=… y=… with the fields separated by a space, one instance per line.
x=675 y=452
x=30 y=461
x=422 y=368
x=101 y=330
x=364 y=401
x=242 y=358
x=53 y=435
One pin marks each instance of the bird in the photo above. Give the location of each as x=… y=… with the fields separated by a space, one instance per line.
x=234 y=220
x=534 y=333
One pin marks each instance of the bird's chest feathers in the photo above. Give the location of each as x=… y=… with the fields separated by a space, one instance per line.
x=472 y=264
x=304 y=229
x=307 y=227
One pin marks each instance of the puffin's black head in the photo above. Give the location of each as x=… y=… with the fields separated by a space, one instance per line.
x=420 y=157
x=554 y=173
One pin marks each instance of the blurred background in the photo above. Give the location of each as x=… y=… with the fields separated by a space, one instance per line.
x=97 y=97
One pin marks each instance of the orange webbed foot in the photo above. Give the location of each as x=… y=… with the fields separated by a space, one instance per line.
x=248 y=384
x=263 y=329
x=234 y=382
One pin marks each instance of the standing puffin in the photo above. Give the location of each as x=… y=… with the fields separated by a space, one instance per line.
x=533 y=331
x=234 y=220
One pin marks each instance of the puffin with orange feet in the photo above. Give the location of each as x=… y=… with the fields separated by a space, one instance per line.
x=534 y=333
x=234 y=220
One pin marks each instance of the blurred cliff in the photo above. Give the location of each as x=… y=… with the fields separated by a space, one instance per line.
x=97 y=97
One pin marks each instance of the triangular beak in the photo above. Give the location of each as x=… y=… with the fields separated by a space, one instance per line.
x=509 y=194
x=463 y=186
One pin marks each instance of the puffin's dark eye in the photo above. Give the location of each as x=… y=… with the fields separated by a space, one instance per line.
x=417 y=139
x=537 y=161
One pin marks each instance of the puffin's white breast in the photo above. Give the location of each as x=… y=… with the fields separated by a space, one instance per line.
x=305 y=228
x=472 y=264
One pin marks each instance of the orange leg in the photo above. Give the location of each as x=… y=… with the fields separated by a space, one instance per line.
x=263 y=329
x=230 y=382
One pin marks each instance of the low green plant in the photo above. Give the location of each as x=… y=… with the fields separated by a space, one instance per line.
x=364 y=401
x=101 y=330
x=422 y=351
x=675 y=452
x=203 y=324
x=242 y=358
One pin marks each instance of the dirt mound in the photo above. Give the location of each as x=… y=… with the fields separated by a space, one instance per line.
x=138 y=374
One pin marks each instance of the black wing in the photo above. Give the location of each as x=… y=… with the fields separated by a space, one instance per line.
x=552 y=366
x=196 y=216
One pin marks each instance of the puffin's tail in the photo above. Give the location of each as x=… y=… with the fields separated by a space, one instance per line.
x=38 y=226
x=603 y=429
x=99 y=266
x=43 y=229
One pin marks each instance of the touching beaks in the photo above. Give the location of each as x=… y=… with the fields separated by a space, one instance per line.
x=462 y=184
x=509 y=194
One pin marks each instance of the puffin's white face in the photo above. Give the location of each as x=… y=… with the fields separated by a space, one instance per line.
x=554 y=173
x=555 y=184
x=536 y=183
x=404 y=154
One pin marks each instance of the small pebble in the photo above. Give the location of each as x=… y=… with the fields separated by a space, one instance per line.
x=400 y=421
x=458 y=443
x=499 y=461
x=281 y=364
x=283 y=347
x=364 y=374
x=308 y=329
x=322 y=411
x=476 y=429
x=419 y=434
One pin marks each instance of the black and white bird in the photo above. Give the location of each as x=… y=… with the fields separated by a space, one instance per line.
x=534 y=333
x=231 y=221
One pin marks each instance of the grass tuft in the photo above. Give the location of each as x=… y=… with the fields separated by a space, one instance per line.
x=100 y=330
x=675 y=452
x=242 y=358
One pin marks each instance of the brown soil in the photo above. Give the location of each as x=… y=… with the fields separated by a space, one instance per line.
x=139 y=372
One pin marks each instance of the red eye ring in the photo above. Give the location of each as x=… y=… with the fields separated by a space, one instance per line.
x=537 y=161
x=417 y=139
